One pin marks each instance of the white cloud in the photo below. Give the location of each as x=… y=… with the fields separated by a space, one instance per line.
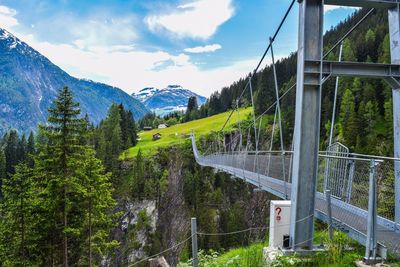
x=131 y=69
x=128 y=67
x=7 y=17
x=197 y=19
x=329 y=8
x=99 y=29
x=203 y=49
x=134 y=70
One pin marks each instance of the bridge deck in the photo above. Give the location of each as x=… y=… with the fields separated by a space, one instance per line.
x=346 y=217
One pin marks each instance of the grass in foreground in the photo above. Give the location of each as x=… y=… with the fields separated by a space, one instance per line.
x=178 y=133
x=338 y=254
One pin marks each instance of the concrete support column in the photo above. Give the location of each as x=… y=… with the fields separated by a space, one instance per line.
x=307 y=124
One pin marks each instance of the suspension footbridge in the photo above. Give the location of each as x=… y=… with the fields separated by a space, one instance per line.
x=357 y=194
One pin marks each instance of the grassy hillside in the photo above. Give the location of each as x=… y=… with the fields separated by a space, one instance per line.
x=178 y=133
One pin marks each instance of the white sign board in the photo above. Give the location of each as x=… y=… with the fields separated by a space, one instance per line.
x=279 y=222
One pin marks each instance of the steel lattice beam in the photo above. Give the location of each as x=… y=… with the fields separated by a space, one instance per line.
x=388 y=72
x=364 y=3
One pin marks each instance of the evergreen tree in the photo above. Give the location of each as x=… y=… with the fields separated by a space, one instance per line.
x=192 y=104
x=138 y=176
x=112 y=137
x=347 y=118
x=370 y=115
x=97 y=200
x=348 y=53
x=10 y=151
x=30 y=150
x=125 y=140
x=131 y=126
x=384 y=56
x=3 y=172
x=128 y=128
x=17 y=244
x=60 y=163
x=21 y=149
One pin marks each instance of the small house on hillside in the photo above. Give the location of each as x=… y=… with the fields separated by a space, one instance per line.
x=162 y=126
x=156 y=136
x=147 y=128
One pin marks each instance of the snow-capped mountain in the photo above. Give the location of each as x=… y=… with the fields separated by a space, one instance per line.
x=168 y=99
x=29 y=83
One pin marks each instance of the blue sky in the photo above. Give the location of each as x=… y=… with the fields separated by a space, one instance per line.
x=201 y=44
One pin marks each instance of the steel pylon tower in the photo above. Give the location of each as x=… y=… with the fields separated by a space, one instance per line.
x=311 y=70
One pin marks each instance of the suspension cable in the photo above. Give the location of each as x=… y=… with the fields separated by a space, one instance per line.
x=265 y=53
x=349 y=32
x=335 y=98
x=162 y=252
x=278 y=107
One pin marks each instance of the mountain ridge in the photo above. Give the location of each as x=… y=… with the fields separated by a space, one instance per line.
x=165 y=100
x=29 y=83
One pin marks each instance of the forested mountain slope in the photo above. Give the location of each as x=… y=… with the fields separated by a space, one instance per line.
x=364 y=111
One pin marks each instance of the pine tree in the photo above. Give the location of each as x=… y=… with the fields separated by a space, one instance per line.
x=112 y=137
x=30 y=150
x=3 y=172
x=192 y=104
x=384 y=56
x=138 y=176
x=10 y=151
x=347 y=119
x=60 y=163
x=97 y=200
x=21 y=149
x=16 y=234
x=370 y=115
x=125 y=140
x=131 y=125
x=128 y=128
x=348 y=53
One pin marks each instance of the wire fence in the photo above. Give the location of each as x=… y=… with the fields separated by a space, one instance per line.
x=248 y=231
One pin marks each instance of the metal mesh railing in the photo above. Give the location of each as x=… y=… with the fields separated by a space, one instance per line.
x=346 y=176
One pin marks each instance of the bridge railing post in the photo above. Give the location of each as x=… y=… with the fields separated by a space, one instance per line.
x=194 y=243
x=371 y=244
x=329 y=213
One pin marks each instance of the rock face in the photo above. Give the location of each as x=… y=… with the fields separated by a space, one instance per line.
x=29 y=83
x=166 y=100
x=174 y=219
x=133 y=217
x=136 y=226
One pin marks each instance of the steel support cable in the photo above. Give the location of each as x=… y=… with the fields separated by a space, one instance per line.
x=324 y=56
x=162 y=252
x=259 y=131
x=278 y=106
x=255 y=132
x=273 y=104
x=335 y=98
x=271 y=142
x=327 y=166
x=348 y=33
x=266 y=51
x=327 y=53
x=239 y=123
x=251 y=228
x=274 y=36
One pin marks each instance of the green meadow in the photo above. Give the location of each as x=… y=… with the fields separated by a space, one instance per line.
x=177 y=134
